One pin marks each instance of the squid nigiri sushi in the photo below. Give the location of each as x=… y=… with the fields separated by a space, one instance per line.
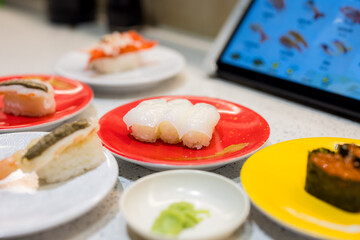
x=118 y=52
x=173 y=122
x=30 y=97
x=143 y=119
x=199 y=126
x=173 y=119
x=66 y=152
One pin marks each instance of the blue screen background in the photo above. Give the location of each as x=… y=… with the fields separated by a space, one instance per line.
x=314 y=43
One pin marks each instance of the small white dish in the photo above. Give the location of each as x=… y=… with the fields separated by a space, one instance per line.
x=158 y=64
x=226 y=202
x=25 y=209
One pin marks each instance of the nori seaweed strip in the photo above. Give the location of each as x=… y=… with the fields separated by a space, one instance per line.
x=26 y=83
x=55 y=136
x=321 y=150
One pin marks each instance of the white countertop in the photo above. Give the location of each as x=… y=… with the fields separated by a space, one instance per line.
x=29 y=44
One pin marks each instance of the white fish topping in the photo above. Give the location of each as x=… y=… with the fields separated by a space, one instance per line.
x=181 y=113
x=177 y=113
x=147 y=113
x=203 y=118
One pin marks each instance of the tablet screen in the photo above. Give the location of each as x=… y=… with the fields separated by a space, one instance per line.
x=315 y=43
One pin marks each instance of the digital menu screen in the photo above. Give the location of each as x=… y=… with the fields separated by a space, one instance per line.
x=311 y=42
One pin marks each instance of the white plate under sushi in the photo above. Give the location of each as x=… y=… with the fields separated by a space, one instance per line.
x=158 y=64
x=25 y=209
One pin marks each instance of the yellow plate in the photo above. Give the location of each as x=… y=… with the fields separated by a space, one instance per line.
x=274 y=179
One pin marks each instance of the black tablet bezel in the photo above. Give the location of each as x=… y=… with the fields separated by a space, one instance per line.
x=332 y=102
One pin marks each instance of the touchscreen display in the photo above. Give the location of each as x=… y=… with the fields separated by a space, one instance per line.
x=310 y=42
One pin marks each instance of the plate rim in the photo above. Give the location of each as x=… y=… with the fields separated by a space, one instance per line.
x=279 y=220
x=211 y=166
x=199 y=165
x=246 y=206
x=119 y=84
x=58 y=220
x=49 y=122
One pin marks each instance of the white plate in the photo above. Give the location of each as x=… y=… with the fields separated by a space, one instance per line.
x=158 y=64
x=227 y=203
x=25 y=210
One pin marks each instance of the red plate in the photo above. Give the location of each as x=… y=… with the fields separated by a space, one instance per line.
x=239 y=132
x=70 y=96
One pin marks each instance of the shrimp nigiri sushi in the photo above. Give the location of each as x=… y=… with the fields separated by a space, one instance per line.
x=144 y=118
x=173 y=122
x=118 y=52
x=30 y=97
x=66 y=152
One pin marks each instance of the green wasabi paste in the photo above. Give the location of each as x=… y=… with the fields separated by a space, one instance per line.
x=177 y=217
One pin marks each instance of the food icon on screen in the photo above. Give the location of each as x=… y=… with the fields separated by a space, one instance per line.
x=275 y=65
x=291 y=69
x=327 y=49
x=236 y=56
x=293 y=40
x=312 y=6
x=337 y=47
x=278 y=4
x=325 y=81
x=341 y=47
x=289 y=43
x=258 y=62
x=298 y=37
x=257 y=28
x=351 y=13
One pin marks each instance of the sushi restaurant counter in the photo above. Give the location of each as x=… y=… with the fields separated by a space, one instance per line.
x=31 y=45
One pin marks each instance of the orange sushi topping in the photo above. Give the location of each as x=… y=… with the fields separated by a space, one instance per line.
x=338 y=165
x=115 y=44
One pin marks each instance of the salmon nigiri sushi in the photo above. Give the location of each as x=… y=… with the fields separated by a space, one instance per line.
x=27 y=97
x=118 y=52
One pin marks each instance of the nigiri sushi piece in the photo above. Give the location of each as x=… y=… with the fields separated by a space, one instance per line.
x=126 y=61
x=144 y=118
x=30 y=97
x=66 y=152
x=198 y=128
x=171 y=122
x=118 y=52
